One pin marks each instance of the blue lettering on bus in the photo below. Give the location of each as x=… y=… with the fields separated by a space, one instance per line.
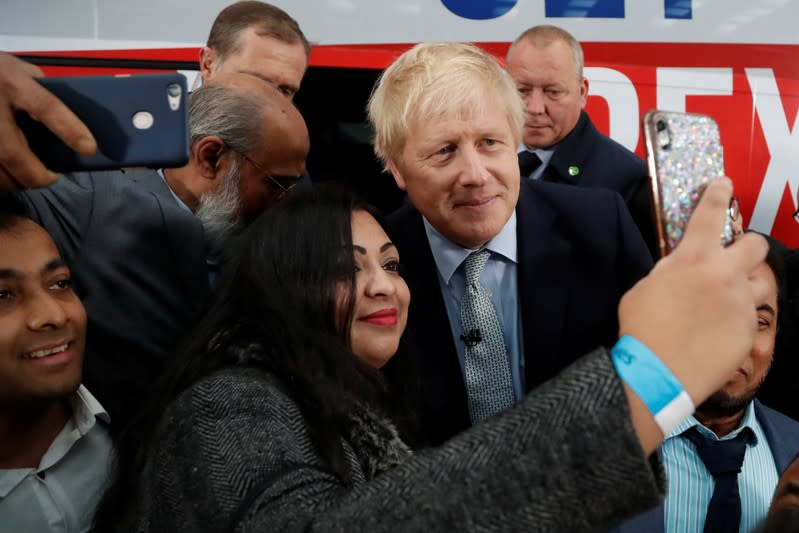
x=613 y=9
x=677 y=9
x=479 y=9
x=491 y=9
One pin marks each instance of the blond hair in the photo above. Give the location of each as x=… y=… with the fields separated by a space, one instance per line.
x=433 y=79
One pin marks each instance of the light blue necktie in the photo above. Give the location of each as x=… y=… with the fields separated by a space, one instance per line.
x=489 y=384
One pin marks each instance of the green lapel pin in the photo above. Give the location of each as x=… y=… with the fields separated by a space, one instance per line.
x=573 y=171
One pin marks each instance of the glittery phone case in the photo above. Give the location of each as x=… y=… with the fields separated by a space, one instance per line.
x=684 y=153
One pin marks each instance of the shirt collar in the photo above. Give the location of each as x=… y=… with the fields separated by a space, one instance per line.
x=211 y=255
x=749 y=420
x=175 y=196
x=448 y=255
x=85 y=411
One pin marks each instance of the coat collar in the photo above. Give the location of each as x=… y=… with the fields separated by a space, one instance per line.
x=570 y=152
x=376 y=442
x=184 y=231
x=544 y=261
x=782 y=435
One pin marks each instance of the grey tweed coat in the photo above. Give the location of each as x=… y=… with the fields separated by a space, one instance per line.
x=233 y=454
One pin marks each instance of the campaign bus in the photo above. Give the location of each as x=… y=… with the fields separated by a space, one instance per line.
x=735 y=60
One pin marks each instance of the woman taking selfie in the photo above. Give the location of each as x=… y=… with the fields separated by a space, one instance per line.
x=276 y=416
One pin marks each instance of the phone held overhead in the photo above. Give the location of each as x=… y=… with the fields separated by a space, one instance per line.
x=684 y=154
x=138 y=121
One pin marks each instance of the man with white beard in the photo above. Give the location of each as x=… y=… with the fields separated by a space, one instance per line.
x=145 y=246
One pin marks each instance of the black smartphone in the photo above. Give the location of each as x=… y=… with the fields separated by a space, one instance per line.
x=137 y=121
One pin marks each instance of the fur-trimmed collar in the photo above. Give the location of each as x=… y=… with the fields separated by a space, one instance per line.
x=376 y=442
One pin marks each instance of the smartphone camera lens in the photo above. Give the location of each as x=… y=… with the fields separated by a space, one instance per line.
x=174 y=90
x=663 y=135
x=173 y=95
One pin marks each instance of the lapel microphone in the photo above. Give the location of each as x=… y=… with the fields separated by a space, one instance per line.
x=472 y=337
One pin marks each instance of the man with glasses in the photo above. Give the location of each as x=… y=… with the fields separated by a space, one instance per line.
x=145 y=246
x=257 y=38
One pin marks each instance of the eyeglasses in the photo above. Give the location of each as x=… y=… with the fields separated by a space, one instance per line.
x=735 y=208
x=284 y=183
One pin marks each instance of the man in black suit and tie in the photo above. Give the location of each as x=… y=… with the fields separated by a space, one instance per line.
x=510 y=281
x=145 y=245
x=560 y=143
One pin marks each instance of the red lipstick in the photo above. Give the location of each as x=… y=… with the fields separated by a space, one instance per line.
x=383 y=317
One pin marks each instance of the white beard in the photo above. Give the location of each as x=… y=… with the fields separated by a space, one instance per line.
x=218 y=210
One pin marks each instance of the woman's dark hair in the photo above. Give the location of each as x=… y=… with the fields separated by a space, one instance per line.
x=275 y=309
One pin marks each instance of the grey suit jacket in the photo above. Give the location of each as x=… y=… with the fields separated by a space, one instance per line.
x=138 y=263
x=233 y=454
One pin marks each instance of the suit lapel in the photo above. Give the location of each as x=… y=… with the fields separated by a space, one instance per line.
x=652 y=521
x=442 y=380
x=569 y=155
x=543 y=274
x=783 y=439
x=185 y=234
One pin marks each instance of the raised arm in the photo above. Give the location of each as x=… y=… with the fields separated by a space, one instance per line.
x=19 y=91
x=696 y=310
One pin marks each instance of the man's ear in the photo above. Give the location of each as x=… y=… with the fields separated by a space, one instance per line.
x=207 y=153
x=392 y=166
x=584 y=92
x=207 y=62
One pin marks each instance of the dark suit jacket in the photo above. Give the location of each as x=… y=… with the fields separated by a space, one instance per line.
x=782 y=434
x=138 y=263
x=578 y=252
x=602 y=162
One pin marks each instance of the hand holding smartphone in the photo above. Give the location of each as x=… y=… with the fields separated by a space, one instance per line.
x=137 y=120
x=684 y=154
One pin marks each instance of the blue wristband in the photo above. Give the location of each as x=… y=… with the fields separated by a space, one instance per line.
x=653 y=382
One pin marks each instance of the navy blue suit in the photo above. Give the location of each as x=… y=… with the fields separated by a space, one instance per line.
x=602 y=162
x=578 y=252
x=782 y=434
